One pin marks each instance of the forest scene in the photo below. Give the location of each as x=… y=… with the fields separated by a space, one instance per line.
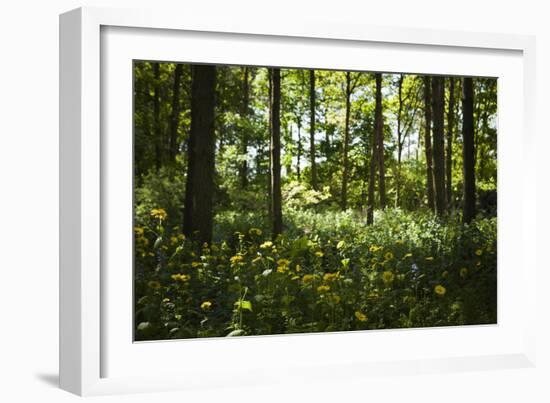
x=275 y=200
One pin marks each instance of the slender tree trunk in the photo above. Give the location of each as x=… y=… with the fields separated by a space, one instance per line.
x=379 y=127
x=438 y=91
x=276 y=153
x=175 y=118
x=200 y=178
x=345 y=174
x=399 y=143
x=299 y=152
x=244 y=115
x=468 y=150
x=156 y=117
x=449 y=155
x=312 y=129
x=428 y=141
x=372 y=178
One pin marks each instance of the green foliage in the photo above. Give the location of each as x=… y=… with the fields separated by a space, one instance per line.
x=328 y=272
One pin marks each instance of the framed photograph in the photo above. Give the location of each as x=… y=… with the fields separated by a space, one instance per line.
x=241 y=204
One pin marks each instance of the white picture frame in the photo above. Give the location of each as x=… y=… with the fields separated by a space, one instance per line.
x=96 y=354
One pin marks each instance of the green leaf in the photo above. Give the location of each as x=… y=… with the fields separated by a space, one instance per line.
x=244 y=304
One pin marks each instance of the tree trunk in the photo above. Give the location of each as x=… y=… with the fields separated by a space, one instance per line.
x=200 y=177
x=372 y=178
x=299 y=152
x=379 y=129
x=468 y=150
x=438 y=93
x=276 y=153
x=428 y=141
x=399 y=143
x=345 y=174
x=312 y=129
x=175 y=118
x=449 y=155
x=156 y=117
x=244 y=143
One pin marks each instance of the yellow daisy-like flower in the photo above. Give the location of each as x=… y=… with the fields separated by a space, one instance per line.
x=255 y=231
x=283 y=262
x=180 y=277
x=331 y=276
x=159 y=213
x=308 y=278
x=323 y=288
x=139 y=231
x=388 y=277
x=463 y=272
x=155 y=285
x=206 y=305
x=479 y=252
x=236 y=259
x=375 y=248
x=334 y=298
x=319 y=253
x=266 y=244
x=440 y=290
x=361 y=317
x=388 y=256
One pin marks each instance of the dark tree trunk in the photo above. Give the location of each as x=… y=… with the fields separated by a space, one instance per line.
x=200 y=177
x=175 y=118
x=468 y=150
x=438 y=93
x=428 y=141
x=399 y=142
x=312 y=129
x=299 y=151
x=276 y=153
x=156 y=117
x=449 y=155
x=379 y=130
x=244 y=115
x=344 y=201
x=372 y=178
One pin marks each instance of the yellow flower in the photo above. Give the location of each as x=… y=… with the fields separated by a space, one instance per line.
x=387 y=277
x=308 y=278
x=206 y=305
x=429 y=258
x=282 y=269
x=159 y=213
x=283 y=262
x=139 y=231
x=323 y=288
x=173 y=240
x=180 y=277
x=266 y=244
x=298 y=268
x=155 y=285
x=236 y=259
x=331 y=276
x=463 y=272
x=375 y=248
x=440 y=290
x=388 y=256
x=334 y=298
x=255 y=231
x=361 y=317
x=479 y=252
x=319 y=253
